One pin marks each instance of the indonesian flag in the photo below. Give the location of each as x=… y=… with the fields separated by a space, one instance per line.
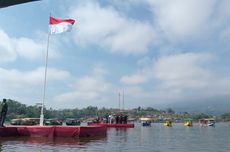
x=57 y=26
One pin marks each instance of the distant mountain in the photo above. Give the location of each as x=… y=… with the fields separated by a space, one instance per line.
x=209 y=107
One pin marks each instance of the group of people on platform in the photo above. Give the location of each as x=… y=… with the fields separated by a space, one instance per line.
x=117 y=119
x=113 y=119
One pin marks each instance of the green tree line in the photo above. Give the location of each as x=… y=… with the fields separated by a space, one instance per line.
x=19 y=110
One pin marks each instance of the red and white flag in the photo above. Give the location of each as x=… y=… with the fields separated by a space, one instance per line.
x=57 y=26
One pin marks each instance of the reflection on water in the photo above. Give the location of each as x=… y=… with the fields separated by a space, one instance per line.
x=49 y=141
x=45 y=143
x=145 y=139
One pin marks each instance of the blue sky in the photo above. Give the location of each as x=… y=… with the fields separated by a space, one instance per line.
x=158 y=52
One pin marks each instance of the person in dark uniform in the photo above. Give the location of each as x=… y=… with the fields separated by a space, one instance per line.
x=126 y=119
x=120 y=118
x=107 y=118
x=3 y=112
x=116 y=119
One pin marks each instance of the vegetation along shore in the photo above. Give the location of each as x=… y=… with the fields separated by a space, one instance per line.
x=19 y=110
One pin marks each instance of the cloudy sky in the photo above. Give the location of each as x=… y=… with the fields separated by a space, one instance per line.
x=158 y=52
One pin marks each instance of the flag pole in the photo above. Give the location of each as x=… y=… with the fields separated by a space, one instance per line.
x=123 y=101
x=119 y=101
x=44 y=86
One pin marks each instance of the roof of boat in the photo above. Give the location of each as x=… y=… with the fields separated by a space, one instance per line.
x=145 y=119
x=207 y=119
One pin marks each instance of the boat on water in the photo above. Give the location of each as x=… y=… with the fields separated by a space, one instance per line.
x=188 y=122
x=145 y=121
x=25 y=121
x=50 y=122
x=207 y=122
x=72 y=122
x=167 y=123
x=35 y=121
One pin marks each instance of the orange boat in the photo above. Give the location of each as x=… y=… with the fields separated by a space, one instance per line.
x=53 y=131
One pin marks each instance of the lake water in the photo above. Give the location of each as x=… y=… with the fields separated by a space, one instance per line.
x=139 y=139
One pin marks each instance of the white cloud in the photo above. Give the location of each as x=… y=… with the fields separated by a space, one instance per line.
x=134 y=79
x=105 y=27
x=28 y=48
x=169 y=78
x=26 y=86
x=225 y=37
x=182 y=77
x=7 y=50
x=89 y=90
x=143 y=75
x=181 y=18
x=222 y=15
x=182 y=69
x=178 y=77
x=11 y=48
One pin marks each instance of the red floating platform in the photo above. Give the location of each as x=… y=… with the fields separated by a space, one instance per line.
x=53 y=131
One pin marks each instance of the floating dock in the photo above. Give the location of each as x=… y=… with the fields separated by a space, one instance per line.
x=53 y=131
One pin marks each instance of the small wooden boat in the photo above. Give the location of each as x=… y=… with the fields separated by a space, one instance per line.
x=188 y=122
x=51 y=122
x=207 y=122
x=72 y=122
x=25 y=121
x=34 y=121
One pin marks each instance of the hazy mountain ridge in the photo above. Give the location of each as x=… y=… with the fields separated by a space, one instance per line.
x=209 y=107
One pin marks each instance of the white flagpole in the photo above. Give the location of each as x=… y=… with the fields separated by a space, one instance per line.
x=44 y=87
x=123 y=100
x=119 y=101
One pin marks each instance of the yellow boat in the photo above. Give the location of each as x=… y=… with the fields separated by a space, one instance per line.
x=188 y=122
x=168 y=123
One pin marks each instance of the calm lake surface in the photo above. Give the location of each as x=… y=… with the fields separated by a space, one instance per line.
x=139 y=139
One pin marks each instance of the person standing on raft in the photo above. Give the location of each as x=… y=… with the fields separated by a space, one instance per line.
x=3 y=112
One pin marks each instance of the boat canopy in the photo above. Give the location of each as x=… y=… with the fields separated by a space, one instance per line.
x=145 y=119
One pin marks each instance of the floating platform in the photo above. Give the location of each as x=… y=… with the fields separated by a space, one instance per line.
x=128 y=125
x=53 y=131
